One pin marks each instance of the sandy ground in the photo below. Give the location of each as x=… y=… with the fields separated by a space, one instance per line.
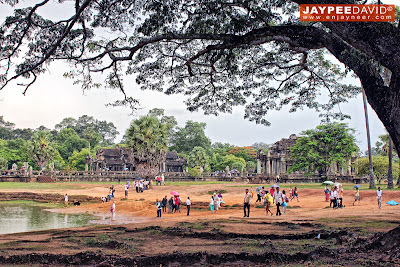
x=140 y=208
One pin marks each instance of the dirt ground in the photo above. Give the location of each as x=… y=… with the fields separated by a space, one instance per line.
x=138 y=237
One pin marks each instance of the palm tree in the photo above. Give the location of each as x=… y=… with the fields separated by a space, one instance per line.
x=41 y=148
x=371 y=168
x=147 y=140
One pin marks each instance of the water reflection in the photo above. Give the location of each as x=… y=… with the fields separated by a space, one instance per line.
x=16 y=218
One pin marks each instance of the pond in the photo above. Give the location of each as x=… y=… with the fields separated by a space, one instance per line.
x=16 y=218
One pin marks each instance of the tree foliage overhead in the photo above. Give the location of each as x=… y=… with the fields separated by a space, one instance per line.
x=317 y=149
x=219 y=53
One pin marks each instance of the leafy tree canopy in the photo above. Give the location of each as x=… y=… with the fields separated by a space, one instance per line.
x=247 y=153
x=87 y=127
x=68 y=141
x=198 y=157
x=147 y=140
x=192 y=135
x=380 y=166
x=318 y=148
x=220 y=54
x=41 y=148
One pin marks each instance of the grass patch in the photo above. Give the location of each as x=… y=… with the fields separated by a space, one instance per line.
x=346 y=186
x=50 y=205
x=259 y=206
x=222 y=191
x=196 y=183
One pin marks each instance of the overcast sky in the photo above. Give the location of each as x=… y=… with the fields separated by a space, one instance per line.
x=53 y=98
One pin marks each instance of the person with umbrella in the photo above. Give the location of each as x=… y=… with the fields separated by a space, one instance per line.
x=357 y=195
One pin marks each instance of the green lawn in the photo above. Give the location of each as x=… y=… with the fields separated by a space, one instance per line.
x=195 y=183
x=346 y=186
x=60 y=185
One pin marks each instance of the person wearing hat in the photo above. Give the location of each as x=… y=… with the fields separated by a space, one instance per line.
x=379 y=194
x=357 y=197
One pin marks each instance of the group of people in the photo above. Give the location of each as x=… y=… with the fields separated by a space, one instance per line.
x=174 y=205
x=269 y=198
x=335 y=196
x=141 y=185
x=215 y=202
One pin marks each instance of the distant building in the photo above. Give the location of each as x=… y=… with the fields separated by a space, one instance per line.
x=173 y=163
x=119 y=159
x=277 y=161
x=112 y=159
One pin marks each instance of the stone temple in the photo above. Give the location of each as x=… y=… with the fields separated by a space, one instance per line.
x=119 y=159
x=277 y=162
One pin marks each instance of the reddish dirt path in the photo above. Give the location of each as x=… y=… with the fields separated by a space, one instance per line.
x=312 y=205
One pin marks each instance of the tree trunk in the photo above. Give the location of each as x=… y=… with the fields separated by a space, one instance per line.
x=390 y=173
x=371 y=169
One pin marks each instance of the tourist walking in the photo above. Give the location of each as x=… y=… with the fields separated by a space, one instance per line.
x=158 y=204
x=246 y=203
x=357 y=197
x=65 y=201
x=379 y=194
x=163 y=179
x=164 y=204
x=326 y=191
x=290 y=192
x=259 y=196
x=268 y=202
x=188 y=204
x=340 y=193
x=284 y=201
x=278 y=180
x=278 y=201
x=216 y=203
x=171 y=205
x=212 y=204
x=112 y=210
x=295 y=194
x=126 y=190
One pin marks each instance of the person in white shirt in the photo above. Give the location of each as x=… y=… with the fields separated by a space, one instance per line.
x=334 y=197
x=379 y=194
x=246 y=203
x=126 y=190
x=188 y=204
x=278 y=201
x=66 y=201
x=212 y=204
x=216 y=203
